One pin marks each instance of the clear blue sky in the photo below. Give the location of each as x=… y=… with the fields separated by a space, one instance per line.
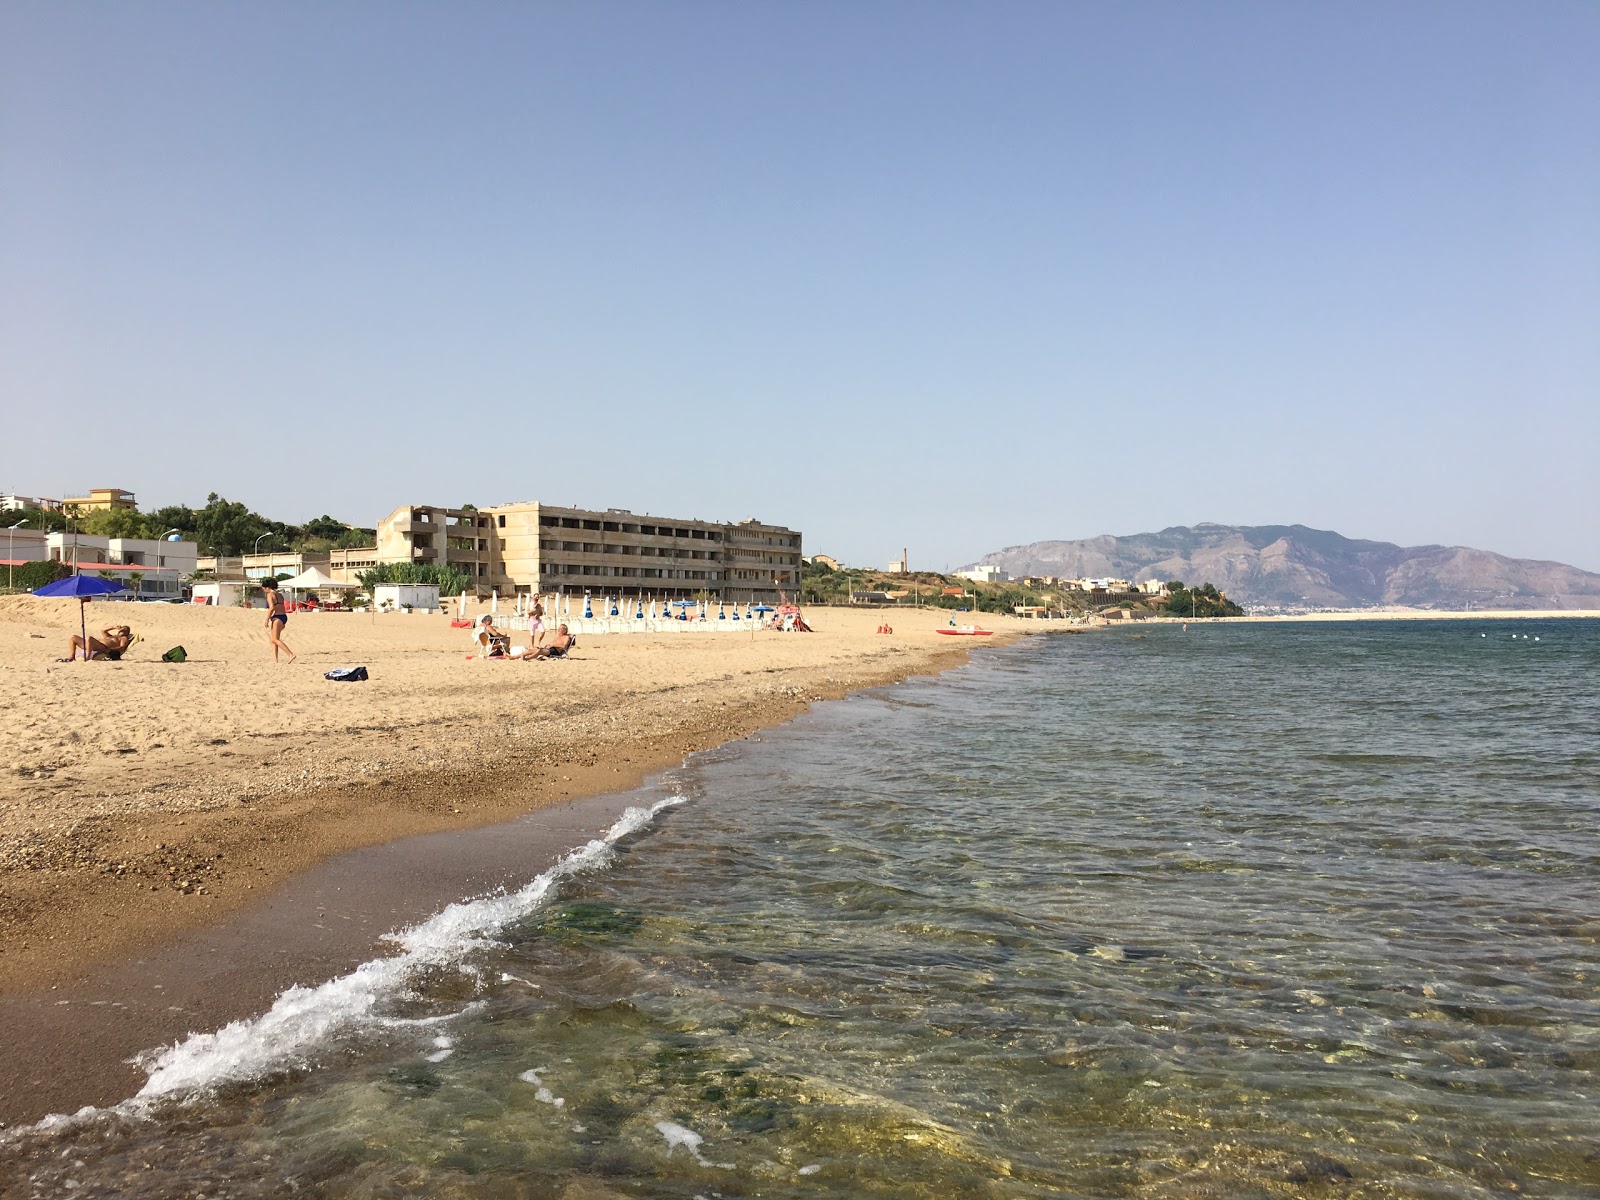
x=944 y=276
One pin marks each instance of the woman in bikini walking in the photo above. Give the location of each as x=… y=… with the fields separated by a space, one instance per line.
x=277 y=618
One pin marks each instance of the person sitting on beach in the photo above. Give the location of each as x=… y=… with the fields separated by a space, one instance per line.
x=491 y=642
x=557 y=646
x=112 y=643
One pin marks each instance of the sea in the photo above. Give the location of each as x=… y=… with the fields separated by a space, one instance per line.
x=1247 y=910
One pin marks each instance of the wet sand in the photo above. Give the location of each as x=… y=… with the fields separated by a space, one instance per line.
x=73 y=1043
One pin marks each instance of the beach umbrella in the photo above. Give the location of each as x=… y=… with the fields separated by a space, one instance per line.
x=735 y=612
x=639 y=616
x=749 y=613
x=615 y=611
x=494 y=600
x=761 y=608
x=588 y=612
x=683 y=607
x=82 y=587
x=721 y=616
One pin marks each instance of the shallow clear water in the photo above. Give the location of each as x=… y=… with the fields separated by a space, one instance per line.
x=1248 y=911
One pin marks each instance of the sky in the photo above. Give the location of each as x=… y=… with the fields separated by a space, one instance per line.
x=948 y=277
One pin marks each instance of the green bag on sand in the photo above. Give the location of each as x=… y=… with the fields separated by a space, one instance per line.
x=176 y=654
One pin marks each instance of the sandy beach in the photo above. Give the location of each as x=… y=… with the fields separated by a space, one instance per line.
x=141 y=797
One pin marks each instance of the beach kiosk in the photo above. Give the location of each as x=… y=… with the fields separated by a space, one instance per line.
x=405 y=597
x=219 y=595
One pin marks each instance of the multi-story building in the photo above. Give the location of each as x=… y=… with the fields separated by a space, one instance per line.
x=425 y=533
x=99 y=499
x=541 y=548
x=148 y=566
x=343 y=565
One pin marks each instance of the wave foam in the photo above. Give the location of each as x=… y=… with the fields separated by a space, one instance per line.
x=302 y=1017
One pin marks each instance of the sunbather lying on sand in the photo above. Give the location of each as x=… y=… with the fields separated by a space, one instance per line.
x=113 y=641
x=556 y=646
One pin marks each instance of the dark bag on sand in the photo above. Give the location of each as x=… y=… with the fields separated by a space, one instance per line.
x=347 y=675
x=176 y=654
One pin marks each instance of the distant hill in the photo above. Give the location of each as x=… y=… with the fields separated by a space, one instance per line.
x=1293 y=566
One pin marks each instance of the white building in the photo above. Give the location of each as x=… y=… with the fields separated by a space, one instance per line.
x=24 y=545
x=10 y=502
x=148 y=567
x=390 y=597
x=220 y=595
x=984 y=573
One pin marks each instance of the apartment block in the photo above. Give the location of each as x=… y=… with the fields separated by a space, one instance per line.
x=541 y=548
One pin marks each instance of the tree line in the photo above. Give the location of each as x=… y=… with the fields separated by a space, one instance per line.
x=223 y=527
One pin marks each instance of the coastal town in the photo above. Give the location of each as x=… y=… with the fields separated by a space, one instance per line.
x=520 y=551
x=507 y=550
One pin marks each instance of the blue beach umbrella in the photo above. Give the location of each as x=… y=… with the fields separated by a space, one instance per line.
x=614 y=610
x=82 y=587
x=587 y=611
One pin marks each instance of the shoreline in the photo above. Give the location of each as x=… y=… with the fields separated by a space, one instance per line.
x=1415 y=614
x=207 y=905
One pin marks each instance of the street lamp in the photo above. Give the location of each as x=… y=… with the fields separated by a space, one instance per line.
x=11 y=541
x=256 y=553
x=161 y=559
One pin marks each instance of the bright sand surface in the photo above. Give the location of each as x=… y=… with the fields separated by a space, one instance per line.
x=140 y=798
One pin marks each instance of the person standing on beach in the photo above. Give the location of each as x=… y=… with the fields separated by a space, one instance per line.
x=277 y=619
x=535 y=625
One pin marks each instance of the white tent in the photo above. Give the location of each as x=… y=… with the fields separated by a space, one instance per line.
x=311 y=579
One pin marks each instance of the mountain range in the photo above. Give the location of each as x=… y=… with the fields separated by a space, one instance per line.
x=1297 y=567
